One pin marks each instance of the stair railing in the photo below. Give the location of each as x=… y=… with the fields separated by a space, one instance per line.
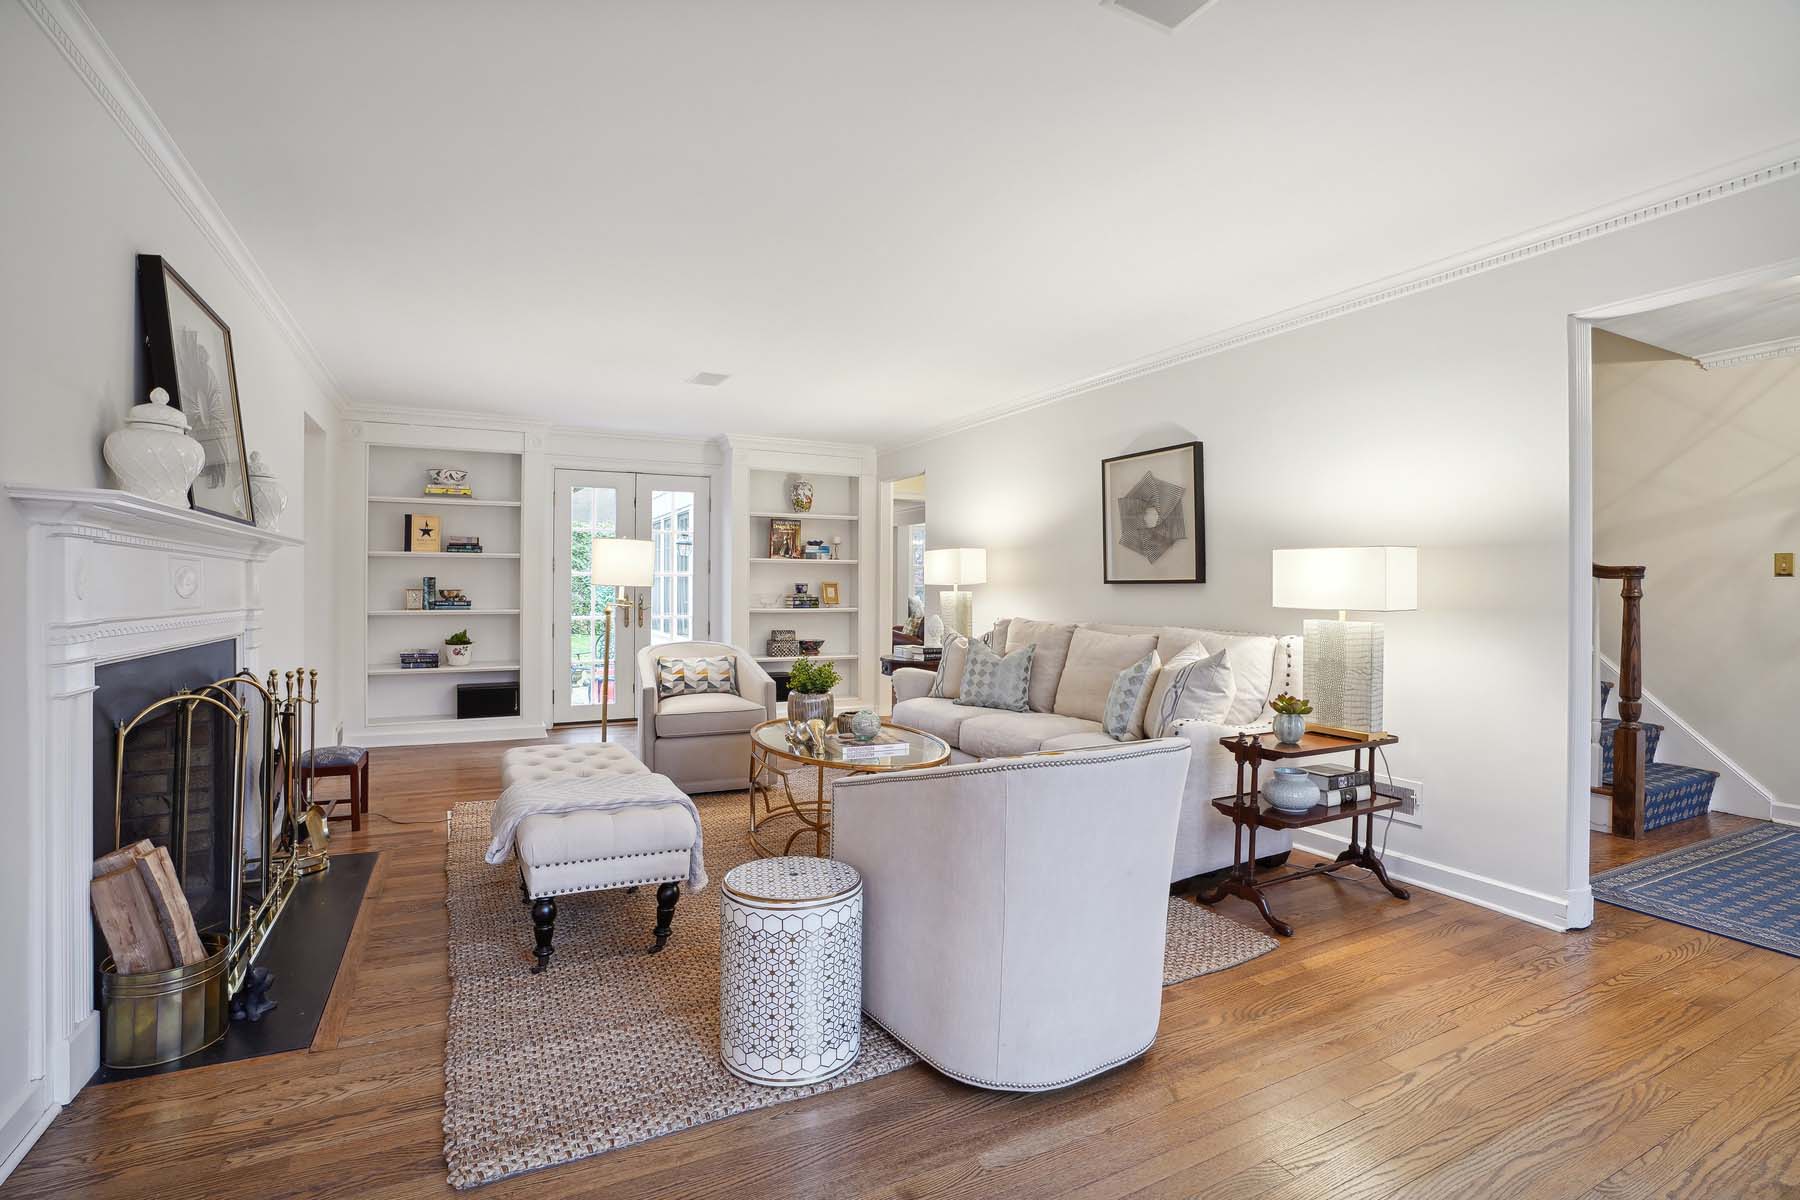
x=1628 y=737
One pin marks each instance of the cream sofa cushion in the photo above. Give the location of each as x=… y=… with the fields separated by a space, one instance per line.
x=1002 y=735
x=1193 y=686
x=1095 y=660
x=1052 y=642
x=935 y=715
x=700 y=713
x=948 y=683
x=1252 y=659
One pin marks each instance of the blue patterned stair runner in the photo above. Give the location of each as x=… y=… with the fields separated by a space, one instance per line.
x=1671 y=792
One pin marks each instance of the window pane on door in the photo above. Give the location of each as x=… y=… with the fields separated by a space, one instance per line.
x=671 y=593
x=593 y=513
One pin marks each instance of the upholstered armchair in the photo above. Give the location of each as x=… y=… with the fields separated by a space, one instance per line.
x=702 y=742
x=1015 y=909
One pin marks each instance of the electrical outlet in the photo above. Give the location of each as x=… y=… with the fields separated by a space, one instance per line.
x=1410 y=793
x=1784 y=565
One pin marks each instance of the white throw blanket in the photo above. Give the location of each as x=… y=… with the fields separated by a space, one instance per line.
x=595 y=793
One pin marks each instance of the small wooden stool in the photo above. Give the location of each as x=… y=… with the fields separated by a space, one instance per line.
x=353 y=761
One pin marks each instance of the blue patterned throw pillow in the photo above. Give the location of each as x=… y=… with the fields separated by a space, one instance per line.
x=1123 y=718
x=696 y=677
x=990 y=681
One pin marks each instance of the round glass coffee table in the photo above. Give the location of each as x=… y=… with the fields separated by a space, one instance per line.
x=790 y=784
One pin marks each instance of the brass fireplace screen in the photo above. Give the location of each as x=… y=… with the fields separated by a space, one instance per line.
x=233 y=760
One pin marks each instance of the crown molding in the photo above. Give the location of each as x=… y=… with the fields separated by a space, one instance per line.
x=74 y=35
x=1757 y=352
x=1730 y=180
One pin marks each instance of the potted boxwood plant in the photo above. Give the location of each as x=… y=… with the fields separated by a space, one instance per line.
x=460 y=647
x=1290 y=718
x=809 y=690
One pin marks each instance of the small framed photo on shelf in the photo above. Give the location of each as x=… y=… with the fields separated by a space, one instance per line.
x=828 y=593
x=415 y=599
x=784 y=539
x=423 y=535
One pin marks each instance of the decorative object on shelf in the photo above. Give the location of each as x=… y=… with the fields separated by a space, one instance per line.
x=429 y=585
x=784 y=538
x=865 y=724
x=416 y=660
x=415 y=599
x=837 y=546
x=811 y=646
x=152 y=454
x=1345 y=659
x=463 y=543
x=815 y=548
x=1154 y=516
x=782 y=644
x=800 y=597
x=449 y=598
x=828 y=593
x=934 y=632
x=623 y=563
x=1290 y=718
x=454 y=477
x=1291 y=789
x=424 y=533
x=187 y=349
x=952 y=569
x=800 y=495
x=809 y=690
x=460 y=648
x=268 y=498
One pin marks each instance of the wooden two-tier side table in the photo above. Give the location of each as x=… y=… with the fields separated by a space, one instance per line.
x=1249 y=812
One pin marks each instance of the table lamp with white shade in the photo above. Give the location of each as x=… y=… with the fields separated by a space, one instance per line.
x=622 y=563
x=1343 y=659
x=953 y=569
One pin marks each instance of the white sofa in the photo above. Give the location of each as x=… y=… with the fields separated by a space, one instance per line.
x=1015 y=912
x=1262 y=665
x=702 y=742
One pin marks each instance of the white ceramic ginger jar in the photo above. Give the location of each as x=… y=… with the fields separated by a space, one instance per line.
x=267 y=497
x=153 y=456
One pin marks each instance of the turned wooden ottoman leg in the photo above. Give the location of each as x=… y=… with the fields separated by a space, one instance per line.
x=666 y=895
x=543 y=919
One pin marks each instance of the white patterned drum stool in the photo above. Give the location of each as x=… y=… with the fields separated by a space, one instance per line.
x=790 y=970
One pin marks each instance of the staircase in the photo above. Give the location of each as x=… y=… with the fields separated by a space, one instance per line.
x=1671 y=792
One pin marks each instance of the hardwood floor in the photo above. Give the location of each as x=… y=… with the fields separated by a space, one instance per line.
x=1606 y=851
x=1429 y=1049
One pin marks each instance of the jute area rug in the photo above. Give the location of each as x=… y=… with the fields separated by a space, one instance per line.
x=612 y=1046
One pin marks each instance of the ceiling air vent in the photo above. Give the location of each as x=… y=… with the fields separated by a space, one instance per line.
x=709 y=379
x=1166 y=15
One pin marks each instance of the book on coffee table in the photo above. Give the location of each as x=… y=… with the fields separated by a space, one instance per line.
x=884 y=746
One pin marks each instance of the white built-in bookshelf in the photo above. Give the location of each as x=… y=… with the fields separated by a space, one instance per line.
x=420 y=703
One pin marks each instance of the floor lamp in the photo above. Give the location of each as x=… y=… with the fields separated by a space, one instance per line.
x=952 y=569
x=622 y=563
x=1344 y=661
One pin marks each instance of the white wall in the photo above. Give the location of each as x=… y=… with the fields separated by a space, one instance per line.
x=1697 y=477
x=79 y=204
x=1441 y=420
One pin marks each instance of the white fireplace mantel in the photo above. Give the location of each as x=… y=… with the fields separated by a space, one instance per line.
x=109 y=576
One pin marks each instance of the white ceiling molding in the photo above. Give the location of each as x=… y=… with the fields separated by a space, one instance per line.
x=66 y=25
x=1690 y=193
x=1780 y=348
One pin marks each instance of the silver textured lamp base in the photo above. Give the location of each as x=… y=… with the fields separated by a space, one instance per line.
x=1343 y=663
x=958 y=609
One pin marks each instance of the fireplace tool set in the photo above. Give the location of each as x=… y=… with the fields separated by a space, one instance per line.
x=238 y=879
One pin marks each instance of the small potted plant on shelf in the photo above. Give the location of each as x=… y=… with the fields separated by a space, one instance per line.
x=1290 y=718
x=809 y=690
x=460 y=648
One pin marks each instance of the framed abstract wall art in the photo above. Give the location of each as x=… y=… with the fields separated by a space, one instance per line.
x=1154 y=516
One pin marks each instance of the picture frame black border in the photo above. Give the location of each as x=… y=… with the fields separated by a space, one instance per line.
x=1199 y=533
x=153 y=275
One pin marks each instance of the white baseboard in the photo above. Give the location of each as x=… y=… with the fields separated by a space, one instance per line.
x=79 y=1059
x=445 y=733
x=31 y=1114
x=1785 y=814
x=1561 y=913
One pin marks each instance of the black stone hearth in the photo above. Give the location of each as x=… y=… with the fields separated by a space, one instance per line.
x=304 y=952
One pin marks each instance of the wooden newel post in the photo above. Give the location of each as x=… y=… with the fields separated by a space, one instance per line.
x=1628 y=738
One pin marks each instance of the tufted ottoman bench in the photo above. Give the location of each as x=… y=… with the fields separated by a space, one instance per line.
x=561 y=854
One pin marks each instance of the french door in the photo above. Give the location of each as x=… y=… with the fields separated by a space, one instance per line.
x=671 y=511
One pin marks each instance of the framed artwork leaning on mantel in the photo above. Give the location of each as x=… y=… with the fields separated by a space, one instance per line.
x=187 y=348
x=1153 y=516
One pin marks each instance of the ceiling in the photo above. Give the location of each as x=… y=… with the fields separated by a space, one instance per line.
x=878 y=218
x=1762 y=317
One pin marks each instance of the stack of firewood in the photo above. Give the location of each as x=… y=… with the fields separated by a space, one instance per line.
x=142 y=911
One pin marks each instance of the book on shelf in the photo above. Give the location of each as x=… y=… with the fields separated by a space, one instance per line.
x=442 y=605
x=1338 y=775
x=462 y=550
x=1345 y=795
x=432 y=489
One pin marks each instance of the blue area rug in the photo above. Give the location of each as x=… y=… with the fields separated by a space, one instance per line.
x=1744 y=886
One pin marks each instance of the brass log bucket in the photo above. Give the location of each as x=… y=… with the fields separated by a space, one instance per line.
x=159 y=1016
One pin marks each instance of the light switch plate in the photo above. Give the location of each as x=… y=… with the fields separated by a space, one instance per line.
x=1784 y=566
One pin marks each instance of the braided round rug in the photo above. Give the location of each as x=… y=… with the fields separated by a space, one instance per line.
x=612 y=1046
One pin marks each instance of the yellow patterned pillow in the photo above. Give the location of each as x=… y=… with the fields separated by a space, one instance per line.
x=696 y=676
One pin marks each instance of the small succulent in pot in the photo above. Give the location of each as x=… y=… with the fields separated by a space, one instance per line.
x=460 y=647
x=809 y=690
x=1290 y=718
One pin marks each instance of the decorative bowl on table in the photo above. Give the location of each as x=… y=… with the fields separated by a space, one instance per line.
x=1291 y=790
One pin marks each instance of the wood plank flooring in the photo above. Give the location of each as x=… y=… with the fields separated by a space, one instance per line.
x=1429 y=1049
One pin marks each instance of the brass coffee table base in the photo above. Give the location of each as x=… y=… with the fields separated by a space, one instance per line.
x=813 y=817
x=773 y=766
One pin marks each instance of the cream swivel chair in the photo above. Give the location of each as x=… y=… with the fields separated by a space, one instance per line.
x=1015 y=910
x=702 y=742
